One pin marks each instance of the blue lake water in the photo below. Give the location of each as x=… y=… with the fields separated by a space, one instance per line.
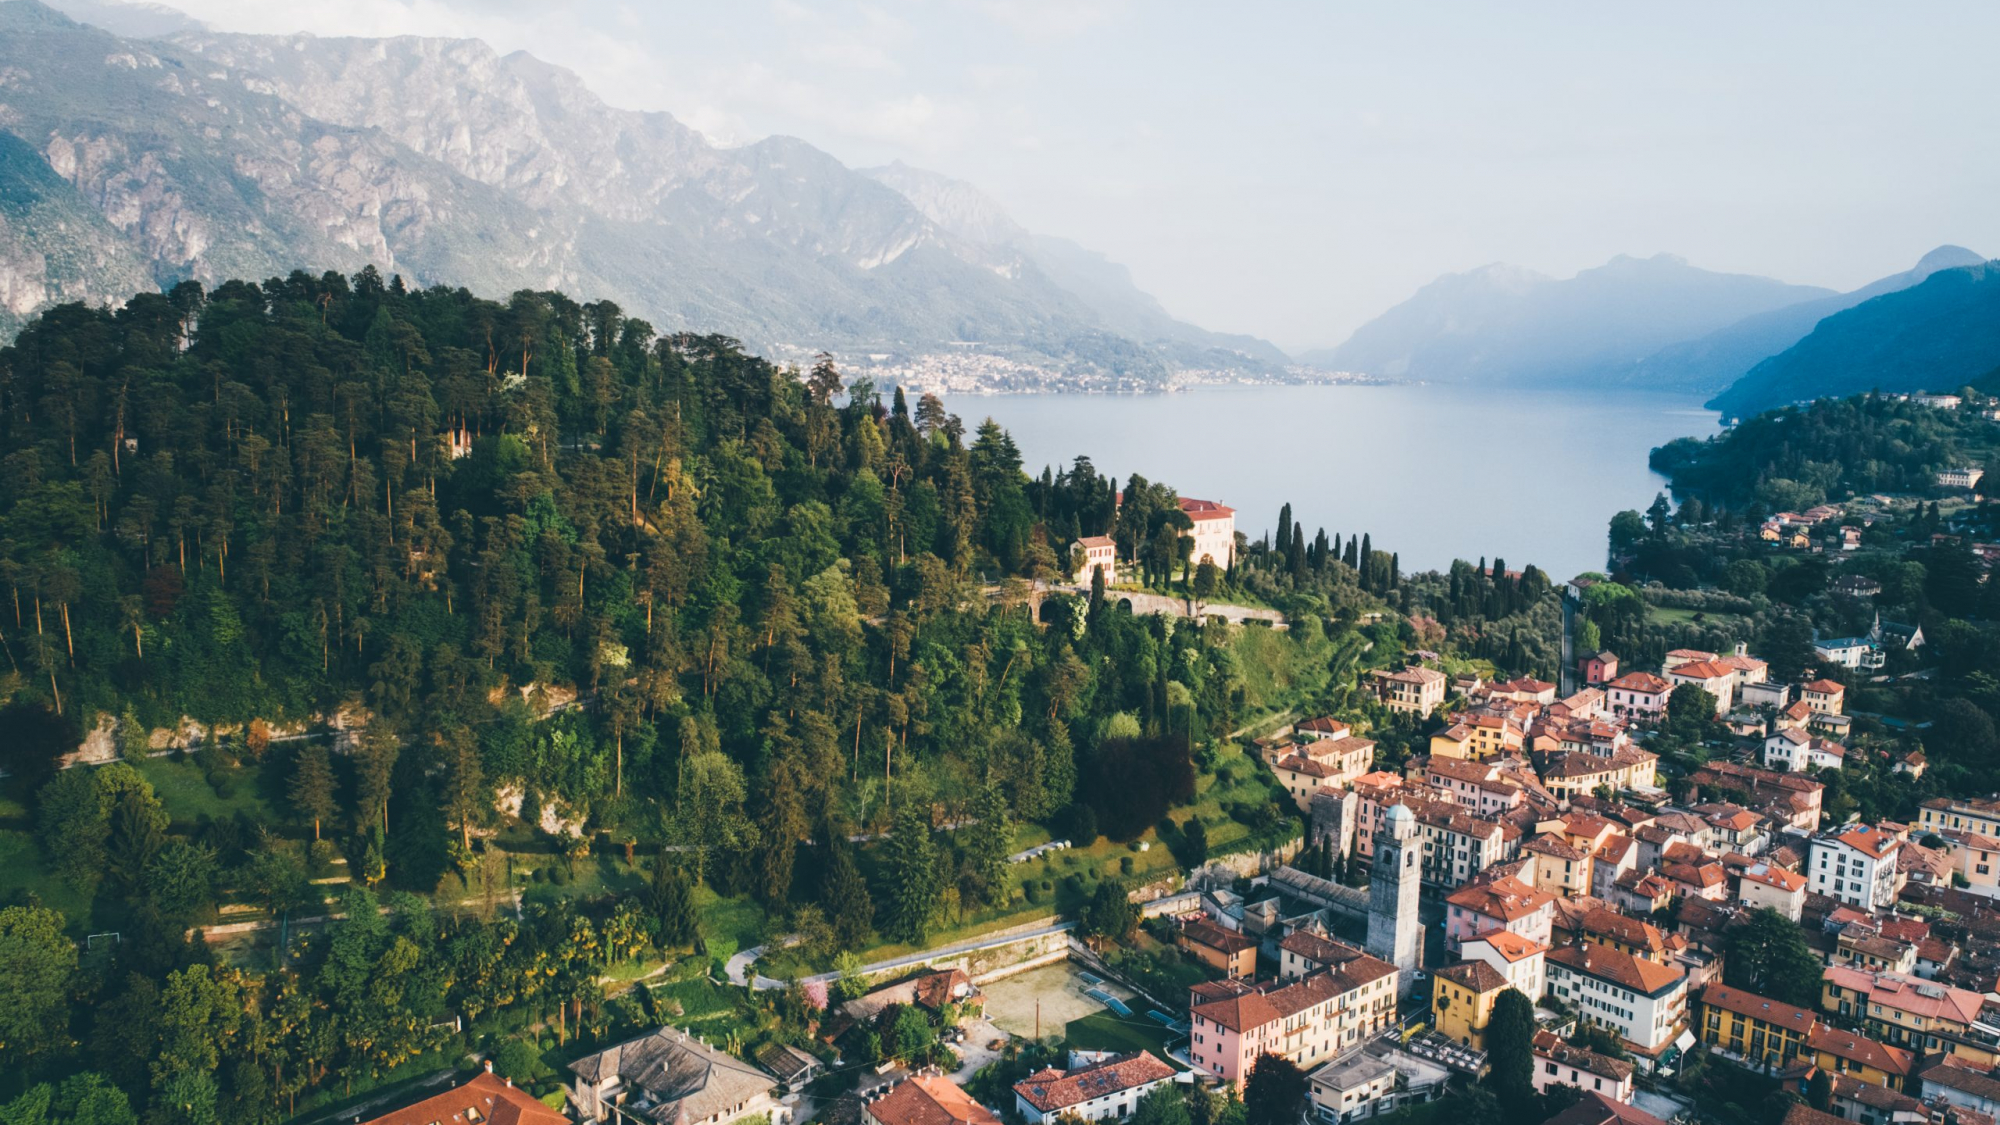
x=1433 y=473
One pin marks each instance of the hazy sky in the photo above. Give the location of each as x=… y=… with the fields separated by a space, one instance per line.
x=1291 y=169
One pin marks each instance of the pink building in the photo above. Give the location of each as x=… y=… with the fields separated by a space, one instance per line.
x=1638 y=695
x=1307 y=1020
x=1600 y=669
x=1505 y=903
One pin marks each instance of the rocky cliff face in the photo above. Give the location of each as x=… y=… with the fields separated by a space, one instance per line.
x=210 y=156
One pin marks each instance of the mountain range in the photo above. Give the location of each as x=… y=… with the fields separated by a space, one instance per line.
x=133 y=162
x=1660 y=324
x=1504 y=325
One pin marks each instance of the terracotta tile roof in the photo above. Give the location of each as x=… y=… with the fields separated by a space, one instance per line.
x=1478 y=976
x=1786 y=881
x=1596 y=1109
x=1861 y=1049
x=1217 y=938
x=1773 y=1012
x=1799 y=1113
x=1551 y=845
x=1053 y=1090
x=1908 y=994
x=1548 y=1045
x=929 y=1100
x=1629 y=931
x=1615 y=847
x=1954 y=1076
x=1511 y=946
x=1871 y=842
x=1323 y=725
x=496 y=1101
x=1311 y=767
x=1199 y=510
x=1689 y=654
x=1824 y=687
x=1254 y=1006
x=1643 y=682
x=1097 y=541
x=1619 y=968
x=1318 y=948
x=1507 y=899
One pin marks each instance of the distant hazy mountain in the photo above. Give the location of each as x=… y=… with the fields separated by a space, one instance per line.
x=1714 y=361
x=1502 y=324
x=210 y=156
x=1938 y=335
x=1102 y=284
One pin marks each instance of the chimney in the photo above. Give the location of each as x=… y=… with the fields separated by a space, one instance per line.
x=509 y=1082
x=489 y=1066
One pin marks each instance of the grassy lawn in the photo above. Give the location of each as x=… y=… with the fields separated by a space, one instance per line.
x=1104 y=1031
x=23 y=873
x=1277 y=670
x=188 y=796
x=1667 y=615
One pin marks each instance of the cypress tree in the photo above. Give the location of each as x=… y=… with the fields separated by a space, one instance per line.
x=1285 y=525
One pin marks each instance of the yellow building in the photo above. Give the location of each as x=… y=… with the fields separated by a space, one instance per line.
x=1640 y=939
x=1462 y=997
x=1757 y=1031
x=1905 y=1011
x=1859 y=1057
x=1561 y=868
x=1477 y=738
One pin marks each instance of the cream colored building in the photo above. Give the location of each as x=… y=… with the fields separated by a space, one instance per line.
x=1214 y=531
x=1417 y=690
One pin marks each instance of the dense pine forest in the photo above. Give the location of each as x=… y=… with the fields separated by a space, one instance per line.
x=553 y=575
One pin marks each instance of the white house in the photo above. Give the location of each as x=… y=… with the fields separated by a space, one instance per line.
x=1644 y=1002
x=1793 y=750
x=1518 y=959
x=1764 y=886
x=1107 y=1089
x=1855 y=865
x=1712 y=676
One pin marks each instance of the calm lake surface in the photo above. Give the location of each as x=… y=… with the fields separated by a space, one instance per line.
x=1434 y=473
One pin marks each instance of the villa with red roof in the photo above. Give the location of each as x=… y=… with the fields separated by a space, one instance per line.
x=1100 y=553
x=1638 y=695
x=1214 y=531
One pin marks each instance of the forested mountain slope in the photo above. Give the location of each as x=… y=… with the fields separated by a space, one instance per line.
x=1939 y=335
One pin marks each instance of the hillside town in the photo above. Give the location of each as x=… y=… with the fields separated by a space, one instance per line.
x=1532 y=855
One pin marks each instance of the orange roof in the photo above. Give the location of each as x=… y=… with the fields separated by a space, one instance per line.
x=1871 y=842
x=1505 y=898
x=1511 y=946
x=1052 y=1090
x=1323 y=726
x=1478 y=976
x=496 y=1101
x=1787 y=881
x=929 y=1100
x=1643 y=682
x=1701 y=670
x=1860 y=1049
x=1824 y=687
x=1618 y=967
x=1774 y=1012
